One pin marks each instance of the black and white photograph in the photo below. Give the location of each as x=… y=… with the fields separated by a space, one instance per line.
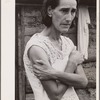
x=54 y=50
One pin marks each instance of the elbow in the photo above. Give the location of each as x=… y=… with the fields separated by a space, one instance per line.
x=84 y=82
x=55 y=97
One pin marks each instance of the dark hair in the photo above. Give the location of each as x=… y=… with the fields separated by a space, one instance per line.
x=46 y=20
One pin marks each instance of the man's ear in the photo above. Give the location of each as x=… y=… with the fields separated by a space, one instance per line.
x=49 y=11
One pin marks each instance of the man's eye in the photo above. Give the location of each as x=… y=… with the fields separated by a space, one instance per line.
x=73 y=11
x=65 y=10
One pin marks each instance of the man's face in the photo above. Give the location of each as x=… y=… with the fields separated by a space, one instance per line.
x=63 y=15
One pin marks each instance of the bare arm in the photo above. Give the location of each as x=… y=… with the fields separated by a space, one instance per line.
x=52 y=88
x=77 y=79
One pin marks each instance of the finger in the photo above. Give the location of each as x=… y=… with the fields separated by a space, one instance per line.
x=40 y=67
x=40 y=78
x=36 y=72
x=36 y=67
x=40 y=62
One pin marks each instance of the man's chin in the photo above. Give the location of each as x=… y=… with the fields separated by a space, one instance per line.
x=64 y=31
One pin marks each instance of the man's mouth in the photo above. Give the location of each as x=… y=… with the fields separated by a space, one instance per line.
x=65 y=25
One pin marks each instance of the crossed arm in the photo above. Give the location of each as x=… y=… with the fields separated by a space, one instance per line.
x=73 y=75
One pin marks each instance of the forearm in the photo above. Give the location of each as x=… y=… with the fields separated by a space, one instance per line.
x=54 y=91
x=70 y=79
x=70 y=68
x=64 y=76
x=77 y=79
x=59 y=87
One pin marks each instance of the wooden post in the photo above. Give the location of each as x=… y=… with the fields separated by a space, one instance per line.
x=21 y=68
x=20 y=74
x=16 y=57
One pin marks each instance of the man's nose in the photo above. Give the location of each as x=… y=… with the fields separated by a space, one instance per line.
x=68 y=17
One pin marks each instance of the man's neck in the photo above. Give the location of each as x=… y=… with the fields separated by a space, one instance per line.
x=52 y=33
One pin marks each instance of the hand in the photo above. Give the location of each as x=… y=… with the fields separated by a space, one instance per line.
x=76 y=57
x=43 y=70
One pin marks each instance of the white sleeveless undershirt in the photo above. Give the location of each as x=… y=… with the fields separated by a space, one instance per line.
x=54 y=55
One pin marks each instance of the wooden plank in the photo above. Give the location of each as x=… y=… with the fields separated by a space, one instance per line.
x=86 y=2
x=30 y=97
x=30 y=1
x=28 y=4
x=22 y=95
x=21 y=50
x=16 y=59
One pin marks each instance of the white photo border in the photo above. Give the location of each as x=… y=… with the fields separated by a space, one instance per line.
x=8 y=50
